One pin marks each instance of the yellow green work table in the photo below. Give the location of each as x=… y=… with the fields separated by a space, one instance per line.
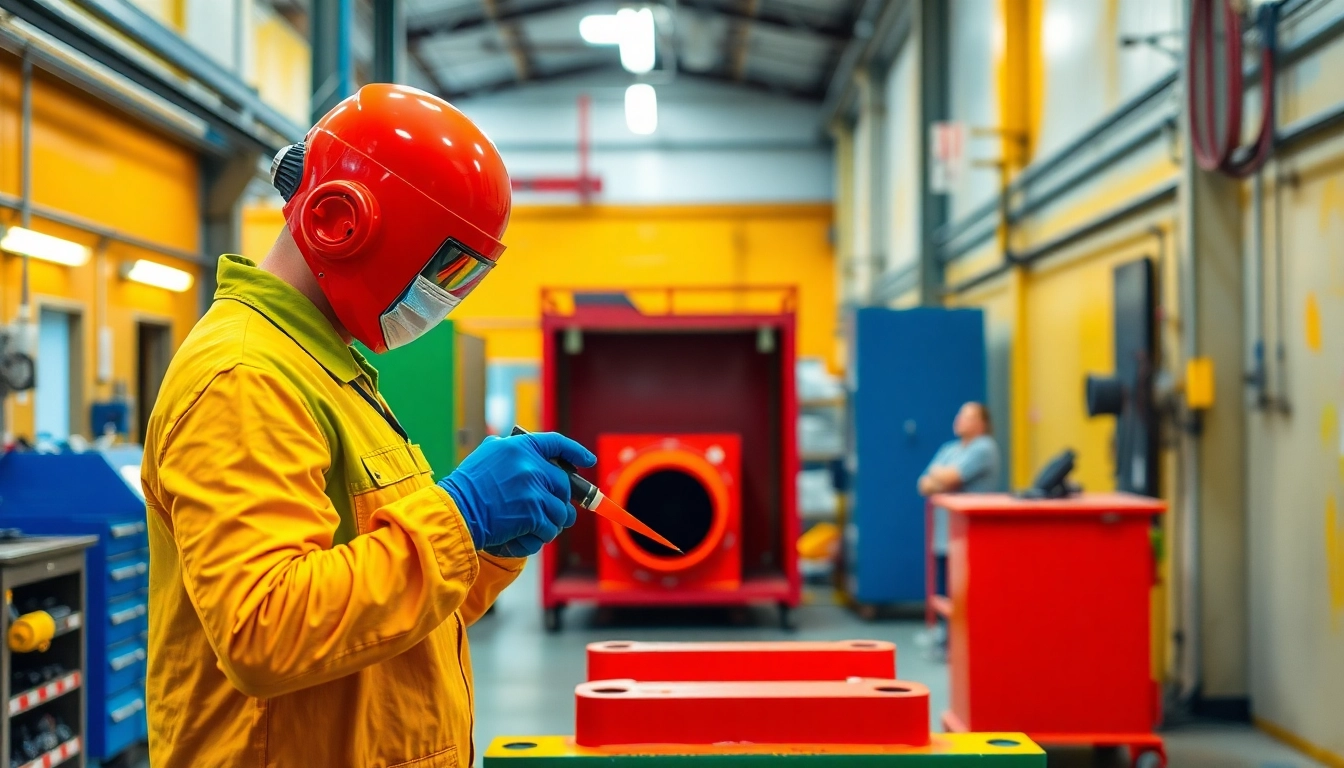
x=951 y=750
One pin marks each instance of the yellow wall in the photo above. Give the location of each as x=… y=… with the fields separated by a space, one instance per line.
x=260 y=228
x=281 y=66
x=97 y=165
x=628 y=247
x=1295 y=490
x=171 y=13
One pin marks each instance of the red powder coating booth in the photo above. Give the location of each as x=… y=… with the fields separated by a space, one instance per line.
x=687 y=397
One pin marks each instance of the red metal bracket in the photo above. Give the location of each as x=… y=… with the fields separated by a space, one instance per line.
x=726 y=662
x=858 y=711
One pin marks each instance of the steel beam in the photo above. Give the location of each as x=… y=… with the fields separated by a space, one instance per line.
x=389 y=41
x=560 y=74
x=933 y=106
x=330 y=31
x=763 y=18
x=222 y=186
x=125 y=18
x=514 y=42
x=238 y=113
x=887 y=18
x=737 y=40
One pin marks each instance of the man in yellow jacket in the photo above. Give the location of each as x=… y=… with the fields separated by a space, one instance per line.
x=310 y=582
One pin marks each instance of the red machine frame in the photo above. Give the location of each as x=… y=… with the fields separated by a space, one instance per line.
x=678 y=305
x=1092 y=570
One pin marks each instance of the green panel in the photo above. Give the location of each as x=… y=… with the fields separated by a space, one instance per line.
x=997 y=750
x=419 y=381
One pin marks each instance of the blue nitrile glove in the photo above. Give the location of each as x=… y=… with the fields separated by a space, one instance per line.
x=513 y=500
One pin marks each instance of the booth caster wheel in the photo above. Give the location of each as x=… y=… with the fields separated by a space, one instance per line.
x=1150 y=759
x=551 y=619
x=786 y=620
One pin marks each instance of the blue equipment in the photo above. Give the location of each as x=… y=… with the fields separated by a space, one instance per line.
x=112 y=416
x=96 y=493
x=910 y=371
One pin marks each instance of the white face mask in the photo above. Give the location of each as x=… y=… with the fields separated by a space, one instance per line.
x=423 y=306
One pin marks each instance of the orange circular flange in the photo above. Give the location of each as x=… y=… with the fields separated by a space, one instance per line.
x=681 y=460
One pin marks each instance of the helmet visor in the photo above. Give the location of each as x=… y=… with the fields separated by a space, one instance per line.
x=456 y=269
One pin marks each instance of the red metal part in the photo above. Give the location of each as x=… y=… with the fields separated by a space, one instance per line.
x=1083 y=673
x=860 y=711
x=714 y=463
x=696 y=373
x=740 y=661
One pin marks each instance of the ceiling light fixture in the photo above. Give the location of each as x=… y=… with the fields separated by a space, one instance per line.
x=633 y=29
x=157 y=275
x=600 y=29
x=638 y=42
x=26 y=242
x=641 y=108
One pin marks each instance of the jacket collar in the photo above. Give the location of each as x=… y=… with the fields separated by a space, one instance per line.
x=241 y=280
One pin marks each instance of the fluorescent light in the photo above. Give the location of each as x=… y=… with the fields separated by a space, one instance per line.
x=26 y=242
x=637 y=39
x=600 y=29
x=641 y=108
x=1057 y=34
x=157 y=275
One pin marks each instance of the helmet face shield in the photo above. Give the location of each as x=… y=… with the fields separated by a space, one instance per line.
x=451 y=274
x=456 y=269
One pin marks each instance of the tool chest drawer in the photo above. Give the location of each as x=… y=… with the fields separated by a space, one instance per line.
x=126 y=665
x=127 y=573
x=123 y=720
x=127 y=617
x=125 y=536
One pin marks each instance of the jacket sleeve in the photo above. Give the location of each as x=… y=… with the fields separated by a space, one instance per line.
x=497 y=573
x=241 y=479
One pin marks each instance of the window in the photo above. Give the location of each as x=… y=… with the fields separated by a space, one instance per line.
x=59 y=397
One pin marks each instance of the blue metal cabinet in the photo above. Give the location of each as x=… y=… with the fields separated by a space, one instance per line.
x=87 y=493
x=910 y=371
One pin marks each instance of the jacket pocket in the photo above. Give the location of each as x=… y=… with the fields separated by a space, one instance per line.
x=445 y=759
x=389 y=466
x=389 y=473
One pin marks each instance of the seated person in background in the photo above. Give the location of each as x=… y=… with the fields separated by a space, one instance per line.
x=968 y=464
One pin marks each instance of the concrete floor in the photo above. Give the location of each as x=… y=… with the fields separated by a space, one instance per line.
x=525 y=677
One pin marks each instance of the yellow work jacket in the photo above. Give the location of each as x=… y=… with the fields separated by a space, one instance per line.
x=309 y=585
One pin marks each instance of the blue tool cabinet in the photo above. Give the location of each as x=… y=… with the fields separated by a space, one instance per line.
x=909 y=372
x=92 y=493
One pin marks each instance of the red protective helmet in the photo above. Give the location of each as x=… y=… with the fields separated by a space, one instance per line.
x=397 y=202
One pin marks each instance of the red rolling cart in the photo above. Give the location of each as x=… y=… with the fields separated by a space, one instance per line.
x=704 y=371
x=1049 y=617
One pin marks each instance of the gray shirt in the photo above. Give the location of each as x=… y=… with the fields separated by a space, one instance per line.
x=978 y=464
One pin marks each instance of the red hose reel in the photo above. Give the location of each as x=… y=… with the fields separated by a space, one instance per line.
x=1210 y=57
x=686 y=487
